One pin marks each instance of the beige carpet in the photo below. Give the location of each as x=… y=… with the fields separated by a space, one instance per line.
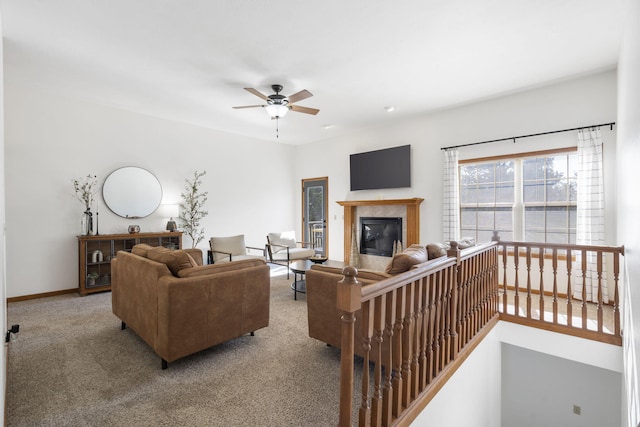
x=72 y=365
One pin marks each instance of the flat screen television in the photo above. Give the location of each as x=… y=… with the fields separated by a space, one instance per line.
x=386 y=168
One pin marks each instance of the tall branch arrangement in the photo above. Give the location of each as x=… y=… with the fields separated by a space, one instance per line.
x=85 y=188
x=192 y=208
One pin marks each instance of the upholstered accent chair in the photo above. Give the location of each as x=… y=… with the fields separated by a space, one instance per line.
x=283 y=249
x=232 y=248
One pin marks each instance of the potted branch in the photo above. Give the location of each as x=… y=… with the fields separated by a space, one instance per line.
x=192 y=208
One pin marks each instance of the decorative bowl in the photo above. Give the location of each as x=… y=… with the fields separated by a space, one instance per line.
x=318 y=259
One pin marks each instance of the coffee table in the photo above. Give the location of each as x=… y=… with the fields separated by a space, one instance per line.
x=299 y=269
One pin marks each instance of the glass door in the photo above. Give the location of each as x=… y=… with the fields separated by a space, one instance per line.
x=314 y=213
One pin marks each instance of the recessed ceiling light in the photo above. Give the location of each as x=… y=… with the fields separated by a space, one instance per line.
x=389 y=108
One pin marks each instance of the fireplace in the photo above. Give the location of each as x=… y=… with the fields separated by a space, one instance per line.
x=378 y=234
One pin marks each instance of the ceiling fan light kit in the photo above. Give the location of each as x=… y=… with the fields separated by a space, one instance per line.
x=277 y=111
x=279 y=105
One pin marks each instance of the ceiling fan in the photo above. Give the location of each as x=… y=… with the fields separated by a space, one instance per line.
x=278 y=105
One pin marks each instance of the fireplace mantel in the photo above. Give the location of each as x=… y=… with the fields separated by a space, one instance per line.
x=413 y=218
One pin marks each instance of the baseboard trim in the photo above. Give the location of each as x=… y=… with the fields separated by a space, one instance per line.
x=42 y=295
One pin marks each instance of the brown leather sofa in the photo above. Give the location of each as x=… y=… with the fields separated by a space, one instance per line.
x=180 y=307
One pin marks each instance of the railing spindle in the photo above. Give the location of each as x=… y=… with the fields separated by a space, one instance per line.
x=569 y=289
x=555 y=284
x=600 y=296
x=368 y=310
x=379 y=321
x=541 y=264
x=585 y=315
x=529 y=282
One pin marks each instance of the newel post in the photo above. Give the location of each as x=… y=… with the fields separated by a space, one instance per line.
x=348 y=301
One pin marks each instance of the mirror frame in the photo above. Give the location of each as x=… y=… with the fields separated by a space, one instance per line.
x=132 y=192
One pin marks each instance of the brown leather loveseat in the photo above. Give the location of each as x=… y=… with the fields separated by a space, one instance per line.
x=180 y=307
x=321 y=281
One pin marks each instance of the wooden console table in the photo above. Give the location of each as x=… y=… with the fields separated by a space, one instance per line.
x=96 y=252
x=413 y=219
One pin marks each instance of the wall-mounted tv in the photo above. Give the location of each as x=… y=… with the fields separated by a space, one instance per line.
x=386 y=168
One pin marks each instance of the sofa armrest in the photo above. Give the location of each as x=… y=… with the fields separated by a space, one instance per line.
x=196 y=254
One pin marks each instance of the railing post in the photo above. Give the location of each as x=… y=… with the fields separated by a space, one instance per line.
x=348 y=300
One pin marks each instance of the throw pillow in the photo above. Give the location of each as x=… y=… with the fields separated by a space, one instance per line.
x=466 y=242
x=175 y=260
x=436 y=250
x=414 y=254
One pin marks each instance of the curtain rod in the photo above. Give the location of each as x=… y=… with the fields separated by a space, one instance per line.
x=528 y=136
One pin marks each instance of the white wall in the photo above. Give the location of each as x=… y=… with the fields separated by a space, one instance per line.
x=546 y=392
x=475 y=394
x=629 y=202
x=582 y=101
x=3 y=278
x=50 y=139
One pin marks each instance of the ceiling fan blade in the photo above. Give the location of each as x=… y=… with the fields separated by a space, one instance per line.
x=248 y=106
x=305 y=110
x=303 y=94
x=256 y=93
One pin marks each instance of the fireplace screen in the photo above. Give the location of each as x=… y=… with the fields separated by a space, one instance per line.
x=378 y=235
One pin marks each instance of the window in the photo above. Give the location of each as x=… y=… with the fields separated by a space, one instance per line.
x=529 y=197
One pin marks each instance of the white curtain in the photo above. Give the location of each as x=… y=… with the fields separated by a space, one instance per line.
x=590 y=211
x=450 y=197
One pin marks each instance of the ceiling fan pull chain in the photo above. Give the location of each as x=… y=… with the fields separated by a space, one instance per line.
x=277 y=128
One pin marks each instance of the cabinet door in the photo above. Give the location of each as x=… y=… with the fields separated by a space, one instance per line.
x=98 y=263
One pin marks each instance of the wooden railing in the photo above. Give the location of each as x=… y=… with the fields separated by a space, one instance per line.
x=545 y=285
x=417 y=328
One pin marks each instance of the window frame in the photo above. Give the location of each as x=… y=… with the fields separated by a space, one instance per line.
x=518 y=206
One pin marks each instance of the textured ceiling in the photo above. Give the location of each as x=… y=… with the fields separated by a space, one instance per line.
x=190 y=60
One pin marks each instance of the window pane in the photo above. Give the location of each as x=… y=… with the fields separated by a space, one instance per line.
x=485 y=220
x=468 y=195
x=557 y=218
x=504 y=171
x=533 y=236
x=504 y=193
x=556 y=190
x=486 y=193
x=483 y=236
x=468 y=218
x=533 y=168
x=504 y=220
x=557 y=238
x=533 y=191
x=534 y=219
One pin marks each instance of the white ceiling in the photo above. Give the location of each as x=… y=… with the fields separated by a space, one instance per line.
x=189 y=60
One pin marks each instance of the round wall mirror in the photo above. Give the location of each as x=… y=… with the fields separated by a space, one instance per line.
x=132 y=192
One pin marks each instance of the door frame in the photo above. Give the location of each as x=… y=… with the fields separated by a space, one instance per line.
x=305 y=228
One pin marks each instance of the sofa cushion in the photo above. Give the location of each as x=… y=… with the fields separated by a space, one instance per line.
x=287 y=238
x=175 y=260
x=234 y=245
x=141 y=249
x=414 y=254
